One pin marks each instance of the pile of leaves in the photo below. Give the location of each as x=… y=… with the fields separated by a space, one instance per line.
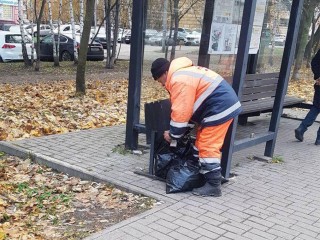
x=302 y=88
x=44 y=108
x=38 y=203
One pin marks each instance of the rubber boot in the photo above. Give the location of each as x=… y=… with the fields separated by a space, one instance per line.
x=212 y=186
x=299 y=133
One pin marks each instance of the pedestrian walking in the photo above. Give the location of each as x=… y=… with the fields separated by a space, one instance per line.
x=202 y=97
x=315 y=109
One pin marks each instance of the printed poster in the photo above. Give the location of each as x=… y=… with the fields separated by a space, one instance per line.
x=226 y=25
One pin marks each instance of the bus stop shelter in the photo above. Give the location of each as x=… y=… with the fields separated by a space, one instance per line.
x=243 y=62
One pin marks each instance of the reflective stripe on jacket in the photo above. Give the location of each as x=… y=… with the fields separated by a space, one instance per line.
x=200 y=95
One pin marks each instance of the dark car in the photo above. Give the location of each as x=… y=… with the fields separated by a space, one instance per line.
x=127 y=38
x=102 y=40
x=5 y=25
x=66 y=52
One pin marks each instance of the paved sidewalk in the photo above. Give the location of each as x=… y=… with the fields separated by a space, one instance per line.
x=264 y=201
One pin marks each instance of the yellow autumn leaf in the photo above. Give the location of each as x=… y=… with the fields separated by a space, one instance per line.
x=3 y=203
x=2 y=235
x=35 y=133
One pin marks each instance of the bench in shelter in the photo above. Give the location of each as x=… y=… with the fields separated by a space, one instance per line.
x=258 y=95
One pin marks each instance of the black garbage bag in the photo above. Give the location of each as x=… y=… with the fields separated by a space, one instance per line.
x=165 y=156
x=164 y=162
x=181 y=178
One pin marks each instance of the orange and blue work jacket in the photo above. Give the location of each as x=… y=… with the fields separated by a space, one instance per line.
x=198 y=95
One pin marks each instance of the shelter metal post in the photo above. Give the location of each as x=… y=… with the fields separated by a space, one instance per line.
x=238 y=79
x=135 y=74
x=204 y=57
x=287 y=60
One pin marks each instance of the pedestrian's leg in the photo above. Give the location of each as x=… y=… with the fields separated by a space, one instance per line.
x=209 y=143
x=306 y=122
x=317 y=142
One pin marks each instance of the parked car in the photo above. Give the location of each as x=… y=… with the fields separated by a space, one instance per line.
x=193 y=38
x=5 y=25
x=101 y=36
x=44 y=29
x=181 y=38
x=11 y=47
x=122 y=34
x=102 y=40
x=67 y=29
x=66 y=52
x=148 y=34
x=127 y=37
x=156 y=40
x=16 y=29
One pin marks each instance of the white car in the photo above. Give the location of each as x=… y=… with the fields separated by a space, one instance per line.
x=67 y=29
x=193 y=38
x=45 y=29
x=16 y=29
x=11 y=47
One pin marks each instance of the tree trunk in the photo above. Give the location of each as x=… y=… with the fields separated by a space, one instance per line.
x=129 y=6
x=108 y=31
x=80 y=77
x=54 y=48
x=164 y=25
x=171 y=27
x=26 y=60
x=308 y=50
x=176 y=25
x=275 y=17
x=38 y=19
x=115 y=34
x=307 y=16
x=32 y=34
x=265 y=39
x=75 y=50
x=59 y=19
x=81 y=17
x=315 y=36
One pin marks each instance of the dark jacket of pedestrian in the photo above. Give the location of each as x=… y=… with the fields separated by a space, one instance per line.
x=315 y=66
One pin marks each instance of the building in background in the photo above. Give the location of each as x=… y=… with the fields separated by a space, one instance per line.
x=9 y=11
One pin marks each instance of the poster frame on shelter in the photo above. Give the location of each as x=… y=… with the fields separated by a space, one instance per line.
x=226 y=25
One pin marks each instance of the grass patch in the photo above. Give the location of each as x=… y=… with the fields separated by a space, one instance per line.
x=121 y=149
x=277 y=159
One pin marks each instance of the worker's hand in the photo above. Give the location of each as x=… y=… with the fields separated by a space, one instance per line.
x=166 y=136
x=318 y=81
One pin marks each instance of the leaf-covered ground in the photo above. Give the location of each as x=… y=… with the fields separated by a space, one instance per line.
x=37 y=109
x=38 y=203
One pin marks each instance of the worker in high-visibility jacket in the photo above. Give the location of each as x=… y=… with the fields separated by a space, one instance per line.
x=199 y=95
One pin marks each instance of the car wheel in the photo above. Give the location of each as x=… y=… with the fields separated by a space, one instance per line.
x=1 y=60
x=66 y=56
